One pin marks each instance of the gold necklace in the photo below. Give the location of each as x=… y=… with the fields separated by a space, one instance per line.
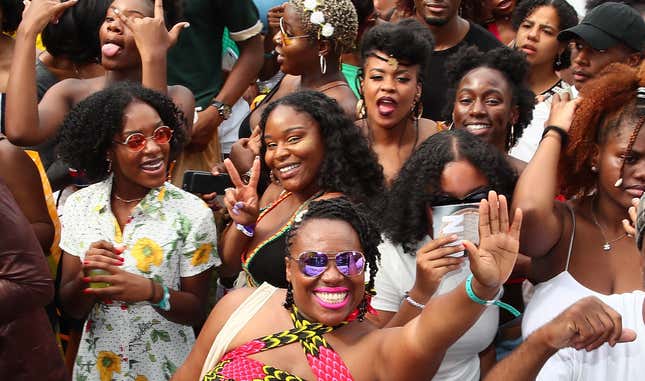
x=127 y=201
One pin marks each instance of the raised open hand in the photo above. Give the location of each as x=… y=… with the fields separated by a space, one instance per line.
x=242 y=201
x=38 y=13
x=492 y=262
x=630 y=225
x=150 y=33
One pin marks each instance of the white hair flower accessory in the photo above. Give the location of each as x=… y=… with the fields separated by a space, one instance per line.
x=310 y=5
x=327 y=30
x=300 y=215
x=317 y=18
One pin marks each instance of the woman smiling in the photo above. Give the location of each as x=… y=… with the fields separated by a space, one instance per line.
x=328 y=251
x=313 y=151
x=491 y=99
x=144 y=247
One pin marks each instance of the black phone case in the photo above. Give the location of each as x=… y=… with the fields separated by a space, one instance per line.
x=205 y=182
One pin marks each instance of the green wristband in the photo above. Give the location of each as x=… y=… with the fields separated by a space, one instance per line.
x=496 y=301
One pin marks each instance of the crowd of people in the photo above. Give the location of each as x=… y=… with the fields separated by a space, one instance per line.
x=388 y=189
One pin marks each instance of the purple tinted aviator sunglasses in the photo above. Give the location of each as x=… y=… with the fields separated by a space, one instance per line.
x=314 y=263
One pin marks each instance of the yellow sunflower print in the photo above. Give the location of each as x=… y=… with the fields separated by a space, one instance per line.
x=147 y=252
x=141 y=378
x=108 y=363
x=201 y=255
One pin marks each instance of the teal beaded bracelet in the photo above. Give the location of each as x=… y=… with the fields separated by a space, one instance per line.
x=496 y=301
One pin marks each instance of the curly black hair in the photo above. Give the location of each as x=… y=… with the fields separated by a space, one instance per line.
x=567 y=15
x=88 y=130
x=11 y=14
x=76 y=35
x=512 y=64
x=404 y=220
x=407 y=40
x=349 y=165
x=341 y=208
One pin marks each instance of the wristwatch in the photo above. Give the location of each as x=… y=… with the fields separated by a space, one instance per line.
x=223 y=109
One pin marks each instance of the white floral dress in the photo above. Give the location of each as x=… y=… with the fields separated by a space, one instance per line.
x=171 y=234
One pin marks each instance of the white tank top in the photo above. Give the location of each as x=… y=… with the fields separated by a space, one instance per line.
x=623 y=362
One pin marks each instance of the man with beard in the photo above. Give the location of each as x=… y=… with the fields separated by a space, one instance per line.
x=451 y=32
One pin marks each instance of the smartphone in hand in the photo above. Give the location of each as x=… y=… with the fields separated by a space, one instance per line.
x=459 y=219
x=205 y=182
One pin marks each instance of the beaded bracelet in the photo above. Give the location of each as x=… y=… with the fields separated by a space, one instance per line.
x=247 y=230
x=564 y=136
x=495 y=301
x=413 y=302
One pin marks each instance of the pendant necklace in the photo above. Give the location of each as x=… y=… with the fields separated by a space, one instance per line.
x=607 y=245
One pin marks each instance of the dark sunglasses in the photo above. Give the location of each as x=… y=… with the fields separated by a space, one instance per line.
x=314 y=263
x=475 y=196
x=137 y=141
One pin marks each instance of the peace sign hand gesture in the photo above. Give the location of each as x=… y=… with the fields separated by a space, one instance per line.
x=150 y=33
x=492 y=263
x=242 y=201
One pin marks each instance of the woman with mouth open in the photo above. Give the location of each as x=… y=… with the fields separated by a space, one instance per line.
x=538 y=23
x=491 y=97
x=134 y=42
x=313 y=150
x=394 y=57
x=593 y=152
x=329 y=249
x=137 y=251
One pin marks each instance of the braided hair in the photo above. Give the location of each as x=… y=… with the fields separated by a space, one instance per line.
x=341 y=209
x=608 y=101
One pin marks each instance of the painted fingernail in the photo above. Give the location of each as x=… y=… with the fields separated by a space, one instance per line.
x=121 y=259
x=86 y=262
x=238 y=205
x=86 y=279
x=87 y=291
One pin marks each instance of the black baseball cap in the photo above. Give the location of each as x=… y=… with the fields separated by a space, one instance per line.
x=607 y=25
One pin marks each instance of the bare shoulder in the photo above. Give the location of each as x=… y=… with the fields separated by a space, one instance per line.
x=427 y=128
x=345 y=98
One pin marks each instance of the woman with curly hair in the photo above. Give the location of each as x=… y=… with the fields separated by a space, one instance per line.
x=327 y=254
x=451 y=167
x=579 y=247
x=394 y=58
x=491 y=97
x=538 y=23
x=314 y=151
x=137 y=251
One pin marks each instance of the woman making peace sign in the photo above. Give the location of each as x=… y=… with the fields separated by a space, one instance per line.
x=314 y=151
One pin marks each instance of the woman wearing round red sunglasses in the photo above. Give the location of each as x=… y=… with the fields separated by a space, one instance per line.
x=138 y=252
x=322 y=309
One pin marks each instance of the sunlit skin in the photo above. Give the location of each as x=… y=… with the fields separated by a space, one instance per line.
x=294 y=150
x=330 y=236
x=483 y=106
x=136 y=172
